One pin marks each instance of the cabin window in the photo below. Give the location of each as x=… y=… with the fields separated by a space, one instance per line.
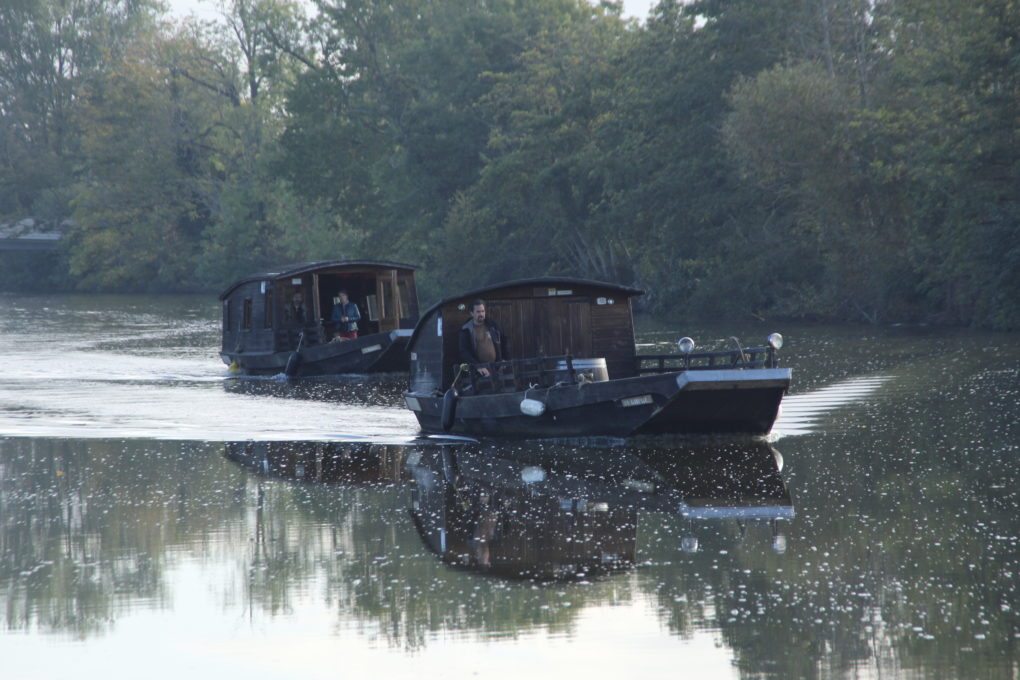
x=267 y=315
x=372 y=302
x=383 y=301
x=405 y=297
x=246 y=318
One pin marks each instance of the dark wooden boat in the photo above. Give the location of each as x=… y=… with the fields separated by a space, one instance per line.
x=576 y=372
x=263 y=335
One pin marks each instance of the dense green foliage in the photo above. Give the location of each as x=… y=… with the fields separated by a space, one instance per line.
x=845 y=159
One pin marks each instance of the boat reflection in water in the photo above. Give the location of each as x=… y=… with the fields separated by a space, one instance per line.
x=547 y=512
x=345 y=463
x=564 y=513
x=519 y=517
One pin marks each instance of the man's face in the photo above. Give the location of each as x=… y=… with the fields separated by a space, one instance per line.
x=343 y=298
x=478 y=314
x=298 y=300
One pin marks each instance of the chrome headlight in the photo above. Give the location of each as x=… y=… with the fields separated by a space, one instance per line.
x=775 y=340
x=686 y=345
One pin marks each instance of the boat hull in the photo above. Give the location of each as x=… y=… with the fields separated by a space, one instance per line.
x=375 y=353
x=687 y=402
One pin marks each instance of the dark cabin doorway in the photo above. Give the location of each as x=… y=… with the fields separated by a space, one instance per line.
x=360 y=288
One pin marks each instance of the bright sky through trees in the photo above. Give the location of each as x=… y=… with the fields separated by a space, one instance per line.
x=206 y=9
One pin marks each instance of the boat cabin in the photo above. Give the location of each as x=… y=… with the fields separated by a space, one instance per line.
x=551 y=324
x=270 y=311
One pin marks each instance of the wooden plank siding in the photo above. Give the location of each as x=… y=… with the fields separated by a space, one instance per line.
x=613 y=337
x=255 y=335
x=583 y=322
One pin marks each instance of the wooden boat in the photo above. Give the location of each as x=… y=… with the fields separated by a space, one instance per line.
x=575 y=371
x=263 y=334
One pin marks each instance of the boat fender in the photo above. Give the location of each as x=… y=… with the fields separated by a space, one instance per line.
x=293 y=364
x=449 y=408
x=234 y=366
x=532 y=407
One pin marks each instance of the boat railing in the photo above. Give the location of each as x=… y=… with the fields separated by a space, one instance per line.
x=746 y=358
x=515 y=375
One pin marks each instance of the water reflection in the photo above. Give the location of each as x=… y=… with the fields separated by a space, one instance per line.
x=560 y=513
x=344 y=463
x=533 y=514
x=511 y=517
x=87 y=532
x=91 y=531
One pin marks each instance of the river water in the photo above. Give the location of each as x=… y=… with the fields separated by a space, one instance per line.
x=161 y=519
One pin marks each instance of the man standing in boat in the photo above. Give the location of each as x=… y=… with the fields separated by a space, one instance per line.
x=481 y=340
x=296 y=311
x=345 y=317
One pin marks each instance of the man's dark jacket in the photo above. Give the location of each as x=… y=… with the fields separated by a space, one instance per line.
x=467 y=342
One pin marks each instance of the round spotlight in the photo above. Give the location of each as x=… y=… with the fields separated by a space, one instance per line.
x=686 y=345
x=775 y=340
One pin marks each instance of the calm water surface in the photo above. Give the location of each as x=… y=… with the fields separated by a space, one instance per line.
x=160 y=519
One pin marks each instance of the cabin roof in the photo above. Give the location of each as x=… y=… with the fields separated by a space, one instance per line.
x=543 y=281
x=306 y=267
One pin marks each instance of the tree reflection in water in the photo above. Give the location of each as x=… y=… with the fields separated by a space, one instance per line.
x=92 y=529
x=87 y=528
x=499 y=542
x=531 y=514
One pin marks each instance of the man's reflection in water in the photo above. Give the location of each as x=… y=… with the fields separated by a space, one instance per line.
x=485 y=531
x=507 y=517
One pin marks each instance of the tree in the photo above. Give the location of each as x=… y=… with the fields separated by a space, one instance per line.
x=671 y=182
x=790 y=133
x=50 y=51
x=387 y=127
x=139 y=205
x=949 y=99
x=543 y=180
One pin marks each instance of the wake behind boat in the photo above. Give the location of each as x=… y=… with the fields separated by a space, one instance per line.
x=578 y=373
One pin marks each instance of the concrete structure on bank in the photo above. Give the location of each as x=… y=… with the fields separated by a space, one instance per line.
x=31 y=234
